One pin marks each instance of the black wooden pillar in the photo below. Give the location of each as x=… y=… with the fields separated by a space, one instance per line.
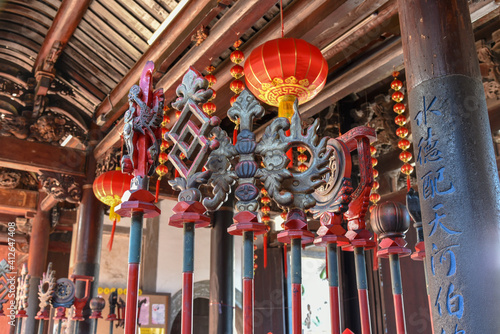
x=221 y=272
x=455 y=165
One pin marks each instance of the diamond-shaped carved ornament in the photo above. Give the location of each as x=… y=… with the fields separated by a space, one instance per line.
x=190 y=134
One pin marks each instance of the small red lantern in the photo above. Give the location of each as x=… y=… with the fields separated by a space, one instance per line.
x=402 y=132
x=407 y=169
x=237 y=56
x=237 y=86
x=399 y=108
x=209 y=108
x=109 y=188
x=405 y=156
x=374 y=161
x=233 y=99
x=396 y=84
x=397 y=96
x=404 y=144
x=400 y=120
x=211 y=79
x=237 y=71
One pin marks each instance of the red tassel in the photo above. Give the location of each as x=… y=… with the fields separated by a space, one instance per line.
x=289 y=153
x=157 y=189
x=285 y=251
x=235 y=135
x=265 y=250
x=110 y=243
x=408 y=182
x=375 y=256
x=326 y=257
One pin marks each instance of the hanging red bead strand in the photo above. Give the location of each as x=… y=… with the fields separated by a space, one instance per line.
x=402 y=132
x=265 y=218
x=209 y=107
x=237 y=86
x=161 y=169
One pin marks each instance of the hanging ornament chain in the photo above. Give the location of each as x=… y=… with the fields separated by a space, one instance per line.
x=402 y=132
x=162 y=169
x=237 y=86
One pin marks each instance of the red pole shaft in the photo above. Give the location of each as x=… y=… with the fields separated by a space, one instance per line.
x=187 y=303
x=364 y=311
x=334 y=309
x=247 y=306
x=400 y=315
x=132 y=294
x=296 y=308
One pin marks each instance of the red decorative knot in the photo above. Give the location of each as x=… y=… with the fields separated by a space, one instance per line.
x=237 y=44
x=401 y=132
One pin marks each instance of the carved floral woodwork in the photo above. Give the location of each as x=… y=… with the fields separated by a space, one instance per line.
x=378 y=115
x=110 y=161
x=489 y=63
x=61 y=187
x=9 y=178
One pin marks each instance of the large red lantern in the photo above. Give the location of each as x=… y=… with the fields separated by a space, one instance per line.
x=109 y=188
x=284 y=69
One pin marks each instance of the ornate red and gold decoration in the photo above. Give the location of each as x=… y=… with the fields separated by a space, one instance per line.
x=109 y=188
x=284 y=69
x=402 y=132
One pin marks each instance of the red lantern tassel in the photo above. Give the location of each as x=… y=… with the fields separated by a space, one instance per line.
x=235 y=135
x=408 y=182
x=157 y=189
x=375 y=256
x=285 y=252
x=265 y=250
x=110 y=243
x=289 y=153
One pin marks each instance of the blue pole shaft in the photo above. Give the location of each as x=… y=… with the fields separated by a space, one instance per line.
x=188 y=261
x=361 y=282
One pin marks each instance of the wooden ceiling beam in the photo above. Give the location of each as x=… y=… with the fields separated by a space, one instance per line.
x=65 y=22
x=166 y=48
x=17 y=202
x=36 y=157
